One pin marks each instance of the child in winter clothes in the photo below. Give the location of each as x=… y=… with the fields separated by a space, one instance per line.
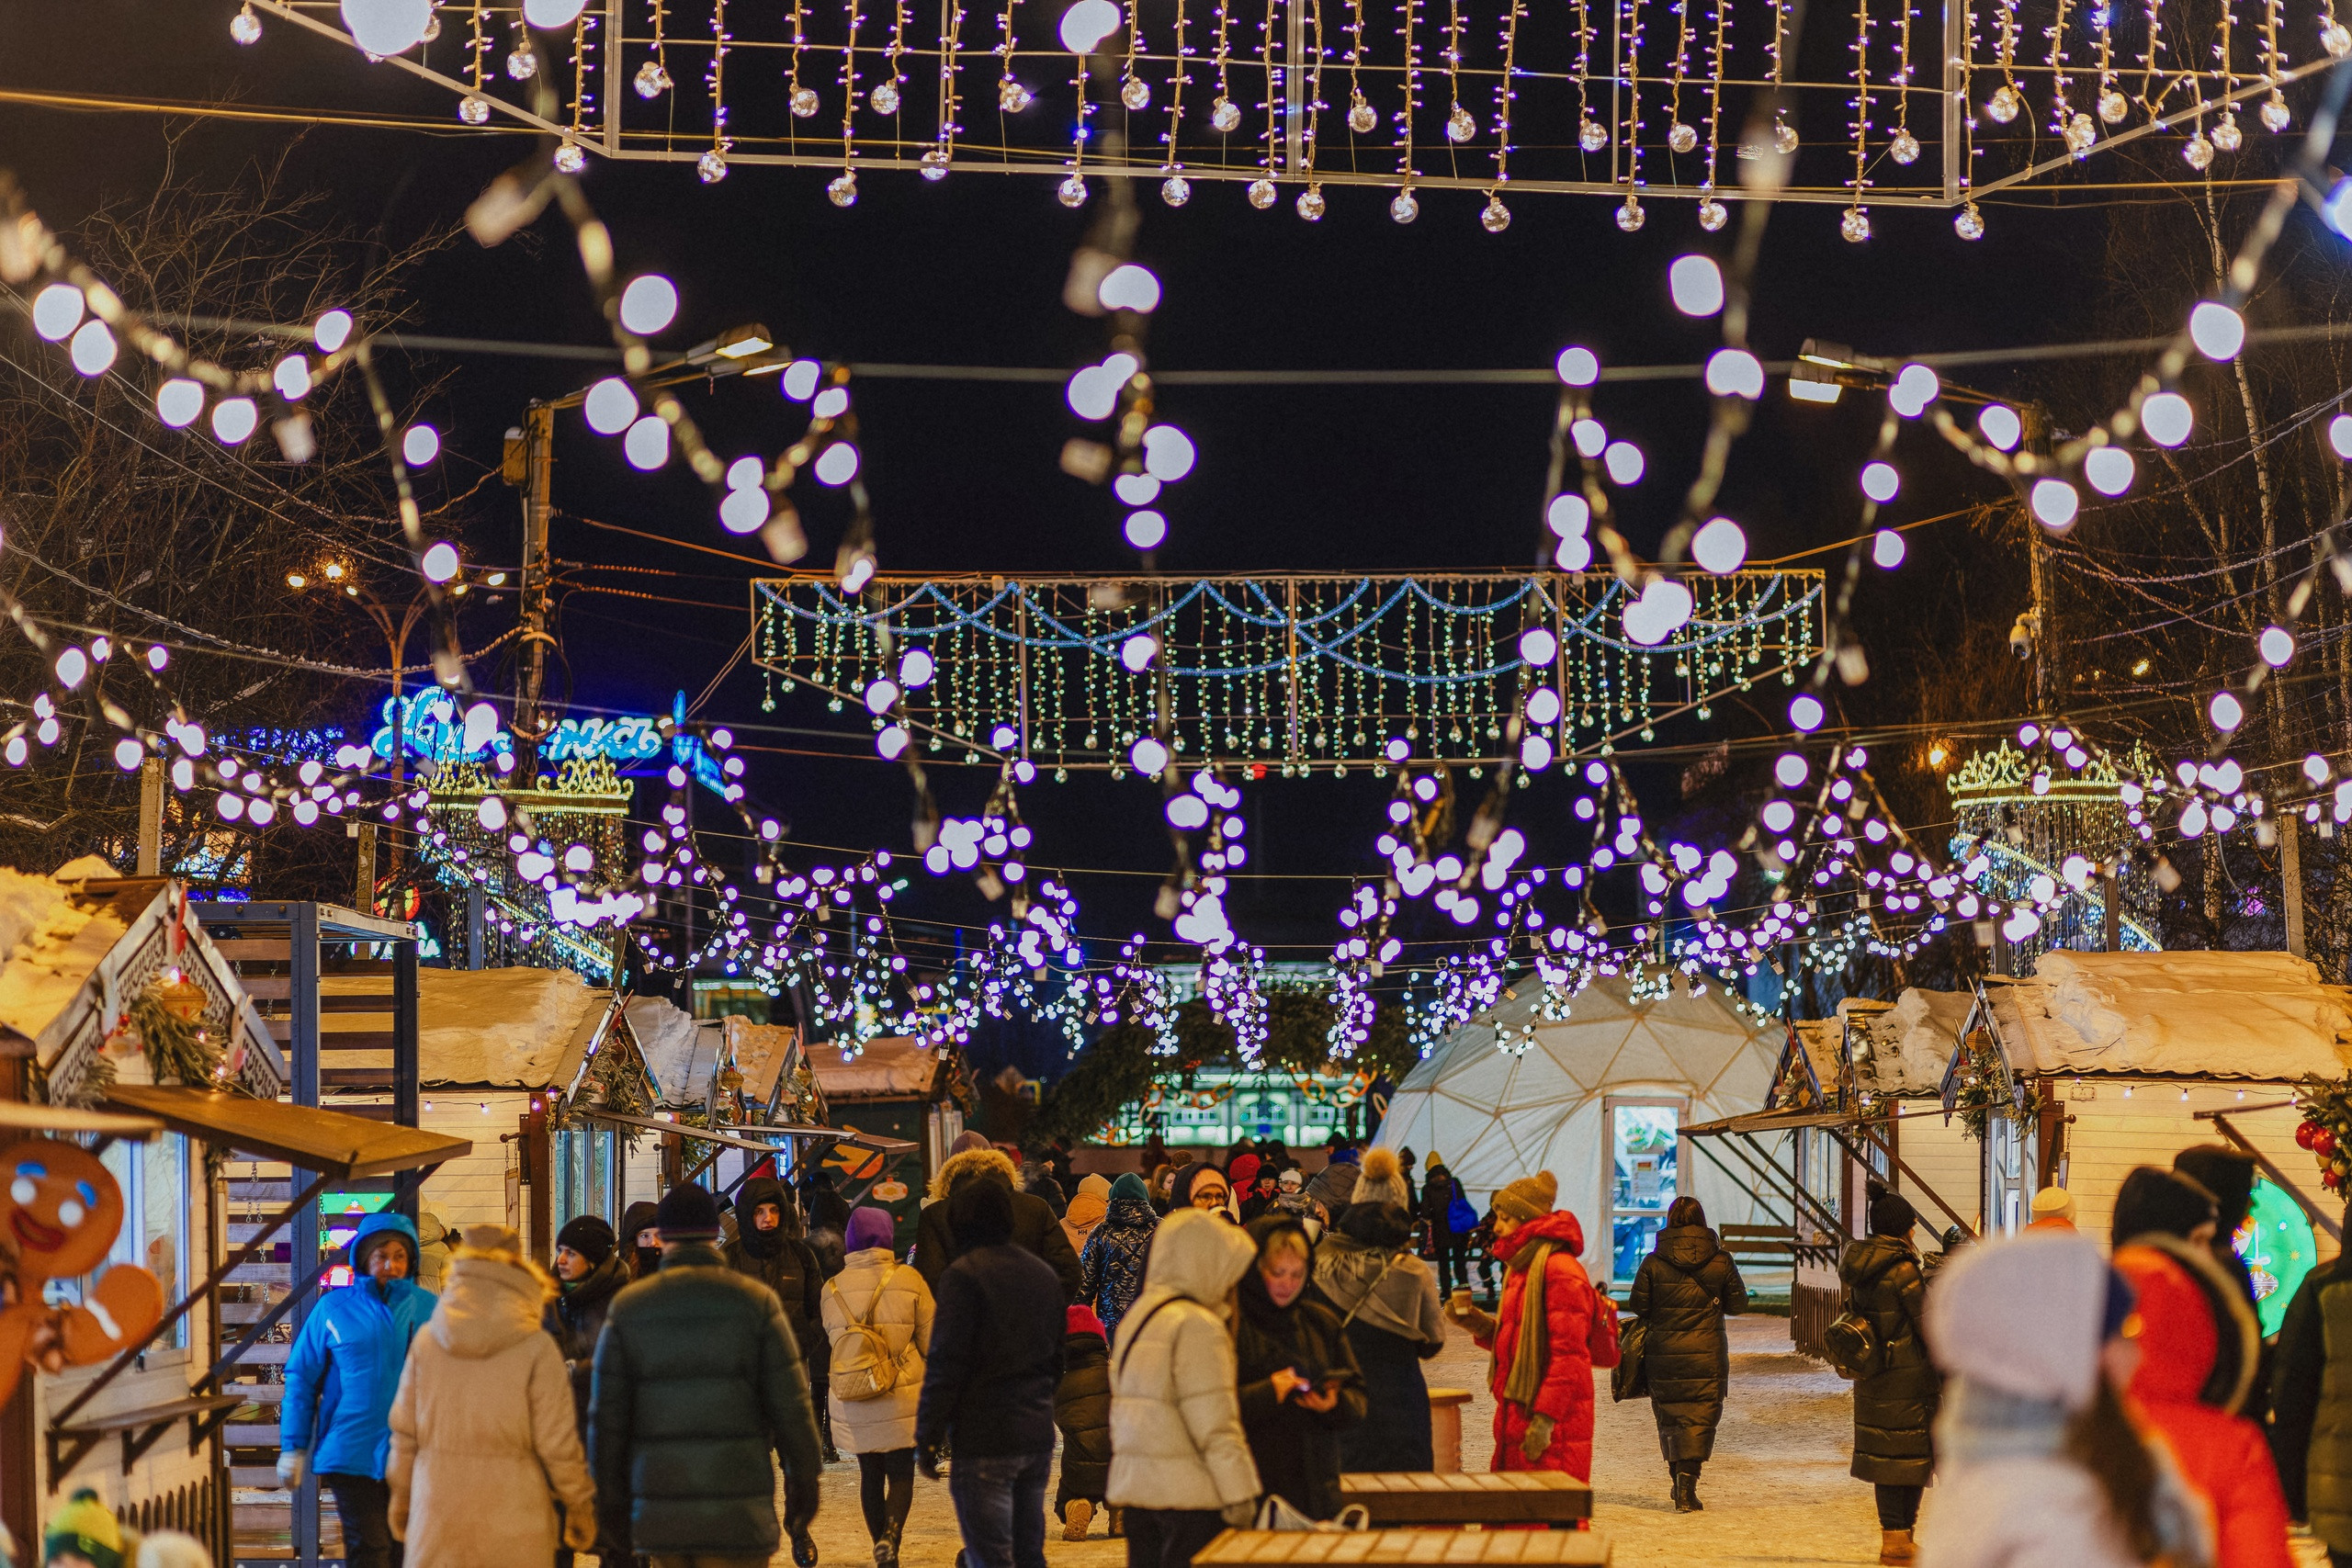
x=1552 y=1330
x=1082 y=1411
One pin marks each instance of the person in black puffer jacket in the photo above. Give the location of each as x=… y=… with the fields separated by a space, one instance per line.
x=1082 y=1411
x=697 y=1383
x=1110 y=1271
x=767 y=1248
x=590 y=1270
x=1300 y=1384
x=1683 y=1291
x=1895 y=1408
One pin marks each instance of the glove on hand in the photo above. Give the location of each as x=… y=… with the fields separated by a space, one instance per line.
x=293 y=1465
x=1538 y=1438
x=1240 y=1516
x=580 y=1529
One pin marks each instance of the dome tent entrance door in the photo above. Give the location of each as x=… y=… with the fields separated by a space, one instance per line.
x=1642 y=1140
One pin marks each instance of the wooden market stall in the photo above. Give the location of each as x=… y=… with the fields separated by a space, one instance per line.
x=1970 y=1102
x=900 y=1088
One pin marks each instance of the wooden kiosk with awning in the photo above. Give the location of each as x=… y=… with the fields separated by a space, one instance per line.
x=140 y=1405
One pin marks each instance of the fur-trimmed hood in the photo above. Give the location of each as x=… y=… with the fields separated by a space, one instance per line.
x=971 y=1162
x=2199 y=1338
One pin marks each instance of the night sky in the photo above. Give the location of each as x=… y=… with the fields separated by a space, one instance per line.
x=965 y=476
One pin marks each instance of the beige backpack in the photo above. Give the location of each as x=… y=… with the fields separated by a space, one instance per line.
x=863 y=1366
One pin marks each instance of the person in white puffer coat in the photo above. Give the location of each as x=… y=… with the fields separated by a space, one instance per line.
x=1179 y=1460
x=874 y=1289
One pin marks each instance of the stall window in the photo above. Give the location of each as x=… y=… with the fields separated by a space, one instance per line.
x=155 y=1205
x=583 y=1160
x=1645 y=1174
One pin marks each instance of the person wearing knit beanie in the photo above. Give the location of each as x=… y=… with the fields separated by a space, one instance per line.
x=85 y=1532
x=1528 y=1197
x=1381 y=1181
x=1334 y=1187
x=587 y=1234
x=686 y=1212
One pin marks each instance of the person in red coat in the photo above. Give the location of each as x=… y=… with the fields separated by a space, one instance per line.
x=1551 y=1329
x=2199 y=1346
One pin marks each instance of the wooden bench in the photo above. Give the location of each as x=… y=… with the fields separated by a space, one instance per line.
x=1566 y=1549
x=1489 y=1497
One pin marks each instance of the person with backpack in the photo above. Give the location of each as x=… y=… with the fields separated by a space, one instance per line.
x=1885 y=1351
x=877 y=1317
x=1451 y=1219
x=1682 y=1293
x=1082 y=1411
x=1110 y=1271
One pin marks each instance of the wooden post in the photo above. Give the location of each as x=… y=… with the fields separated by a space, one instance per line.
x=537 y=1175
x=150 y=816
x=2291 y=873
x=363 y=888
x=2111 y=895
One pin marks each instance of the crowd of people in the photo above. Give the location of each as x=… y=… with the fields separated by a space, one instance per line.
x=1210 y=1345
x=2089 y=1408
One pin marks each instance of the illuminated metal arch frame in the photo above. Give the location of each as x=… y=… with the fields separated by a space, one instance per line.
x=1306 y=673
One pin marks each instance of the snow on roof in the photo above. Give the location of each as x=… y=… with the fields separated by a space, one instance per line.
x=680 y=1052
x=2263 y=1016
x=518 y=1028
x=50 y=945
x=1904 y=1049
x=888 y=1067
x=761 y=1052
x=2236 y=1015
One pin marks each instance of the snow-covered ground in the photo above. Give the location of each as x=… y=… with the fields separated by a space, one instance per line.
x=1777 y=1491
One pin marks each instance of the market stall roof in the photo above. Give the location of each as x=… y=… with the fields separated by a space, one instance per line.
x=2256 y=1016
x=77 y=948
x=516 y=1028
x=681 y=1052
x=893 y=1067
x=330 y=1142
x=760 y=1138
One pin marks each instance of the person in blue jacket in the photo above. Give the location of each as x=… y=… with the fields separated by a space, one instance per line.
x=341 y=1378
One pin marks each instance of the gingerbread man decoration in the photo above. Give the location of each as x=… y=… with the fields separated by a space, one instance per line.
x=60 y=1211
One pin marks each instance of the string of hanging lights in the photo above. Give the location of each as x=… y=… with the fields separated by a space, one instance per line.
x=1541 y=120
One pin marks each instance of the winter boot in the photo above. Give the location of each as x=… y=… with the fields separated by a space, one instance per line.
x=885 y=1552
x=1076 y=1518
x=1686 y=1490
x=1895 y=1546
x=1116 y=1526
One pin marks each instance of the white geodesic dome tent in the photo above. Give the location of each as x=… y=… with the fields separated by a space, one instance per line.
x=1496 y=1115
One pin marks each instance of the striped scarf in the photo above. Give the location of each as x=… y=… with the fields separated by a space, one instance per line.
x=1533 y=1347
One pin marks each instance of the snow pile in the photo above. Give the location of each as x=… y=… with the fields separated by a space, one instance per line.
x=761 y=1052
x=506 y=1028
x=680 y=1053
x=2246 y=1015
x=1911 y=1042
x=50 y=946
x=890 y=1068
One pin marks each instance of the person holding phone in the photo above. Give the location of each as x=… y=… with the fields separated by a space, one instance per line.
x=1300 y=1384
